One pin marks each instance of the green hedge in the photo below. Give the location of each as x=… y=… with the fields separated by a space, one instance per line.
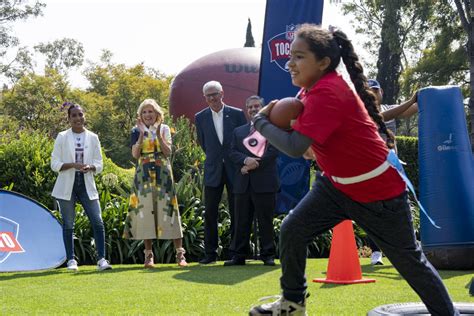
x=408 y=152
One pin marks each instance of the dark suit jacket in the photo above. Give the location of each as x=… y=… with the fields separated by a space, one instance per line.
x=263 y=179
x=217 y=155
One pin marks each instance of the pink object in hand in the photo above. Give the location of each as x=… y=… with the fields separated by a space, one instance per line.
x=255 y=143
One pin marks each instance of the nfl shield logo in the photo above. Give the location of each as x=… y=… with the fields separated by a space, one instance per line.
x=290 y=32
x=279 y=47
x=8 y=238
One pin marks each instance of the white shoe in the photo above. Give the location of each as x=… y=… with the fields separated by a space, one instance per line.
x=279 y=307
x=376 y=258
x=103 y=264
x=72 y=265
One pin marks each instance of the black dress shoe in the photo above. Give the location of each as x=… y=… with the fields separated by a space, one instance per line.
x=207 y=260
x=234 y=262
x=268 y=262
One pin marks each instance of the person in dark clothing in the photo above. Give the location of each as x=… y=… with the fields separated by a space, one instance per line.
x=255 y=185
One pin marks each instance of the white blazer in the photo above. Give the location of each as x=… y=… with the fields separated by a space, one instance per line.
x=64 y=152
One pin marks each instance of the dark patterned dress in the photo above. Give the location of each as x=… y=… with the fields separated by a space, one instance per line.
x=153 y=211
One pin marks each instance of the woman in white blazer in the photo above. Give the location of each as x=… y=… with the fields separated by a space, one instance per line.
x=77 y=157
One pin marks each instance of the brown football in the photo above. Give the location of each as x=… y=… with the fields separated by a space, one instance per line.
x=284 y=111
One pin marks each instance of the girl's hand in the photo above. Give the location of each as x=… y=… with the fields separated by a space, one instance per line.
x=268 y=108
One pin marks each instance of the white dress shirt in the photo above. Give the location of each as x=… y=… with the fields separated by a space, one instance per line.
x=218 y=119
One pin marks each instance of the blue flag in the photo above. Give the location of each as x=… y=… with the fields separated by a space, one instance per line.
x=281 y=20
x=282 y=17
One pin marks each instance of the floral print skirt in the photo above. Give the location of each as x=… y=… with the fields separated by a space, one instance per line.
x=153 y=211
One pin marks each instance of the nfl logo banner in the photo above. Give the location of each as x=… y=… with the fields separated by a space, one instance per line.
x=30 y=236
x=282 y=18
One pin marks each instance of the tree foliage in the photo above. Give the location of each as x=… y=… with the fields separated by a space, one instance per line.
x=62 y=54
x=10 y=12
x=427 y=36
x=121 y=89
x=442 y=60
x=394 y=31
x=249 y=42
x=465 y=10
x=35 y=102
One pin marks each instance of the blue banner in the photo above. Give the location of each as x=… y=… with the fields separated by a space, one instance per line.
x=281 y=20
x=294 y=182
x=30 y=236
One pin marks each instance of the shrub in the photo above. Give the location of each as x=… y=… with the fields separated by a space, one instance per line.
x=25 y=162
x=189 y=194
x=408 y=152
x=187 y=154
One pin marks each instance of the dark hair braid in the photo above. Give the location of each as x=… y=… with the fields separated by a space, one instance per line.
x=356 y=72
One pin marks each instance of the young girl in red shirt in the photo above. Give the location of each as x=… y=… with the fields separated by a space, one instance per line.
x=340 y=127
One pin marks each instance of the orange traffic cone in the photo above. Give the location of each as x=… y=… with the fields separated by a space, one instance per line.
x=343 y=265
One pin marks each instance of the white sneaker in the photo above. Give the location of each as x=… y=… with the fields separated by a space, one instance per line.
x=279 y=307
x=376 y=258
x=72 y=265
x=103 y=264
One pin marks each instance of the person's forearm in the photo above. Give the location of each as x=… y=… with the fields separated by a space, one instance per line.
x=165 y=148
x=409 y=107
x=68 y=165
x=136 y=150
x=293 y=144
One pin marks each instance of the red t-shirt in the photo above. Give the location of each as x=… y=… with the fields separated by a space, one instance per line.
x=346 y=141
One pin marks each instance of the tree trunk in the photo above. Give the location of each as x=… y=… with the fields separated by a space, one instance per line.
x=389 y=59
x=471 y=55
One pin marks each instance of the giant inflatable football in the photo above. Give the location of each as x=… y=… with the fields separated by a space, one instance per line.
x=237 y=69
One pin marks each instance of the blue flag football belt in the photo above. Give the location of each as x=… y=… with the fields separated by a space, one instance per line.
x=394 y=162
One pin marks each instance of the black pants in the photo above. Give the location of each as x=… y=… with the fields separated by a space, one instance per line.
x=263 y=204
x=388 y=223
x=212 y=198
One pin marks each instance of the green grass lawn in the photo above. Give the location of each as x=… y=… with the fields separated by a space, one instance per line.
x=200 y=290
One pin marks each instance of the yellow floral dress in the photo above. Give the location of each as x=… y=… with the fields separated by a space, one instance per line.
x=153 y=211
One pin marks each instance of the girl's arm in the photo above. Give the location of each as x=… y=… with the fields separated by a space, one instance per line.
x=293 y=144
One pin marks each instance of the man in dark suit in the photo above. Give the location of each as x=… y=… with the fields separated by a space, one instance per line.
x=255 y=185
x=214 y=126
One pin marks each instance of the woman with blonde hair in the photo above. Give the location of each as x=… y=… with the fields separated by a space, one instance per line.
x=153 y=212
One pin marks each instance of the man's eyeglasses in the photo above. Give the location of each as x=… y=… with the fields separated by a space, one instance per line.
x=212 y=95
